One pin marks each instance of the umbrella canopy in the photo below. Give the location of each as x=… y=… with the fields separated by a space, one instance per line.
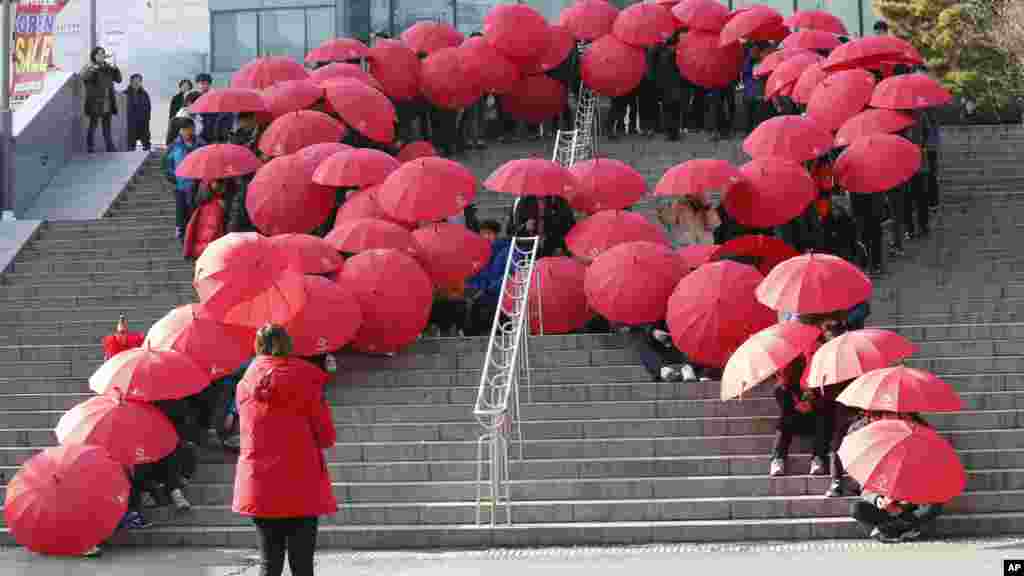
x=906 y=462
x=910 y=92
x=427 y=37
x=817 y=20
x=816 y=40
x=132 y=432
x=768 y=252
x=856 y=353
x=901 y=389
x=871 y=51
x=857 y=168
x=356 y=168
x=363 y=204
x=558 y=302
x=536 y=99
x=751 y=23
x=329 y=320
x=307 y=254
x=589 y=19
x=218 y=161
x=497 y=73
x=291 y=96
x=294 y=131
x=344 y=71
x=317 y=154
x=417 y=149
x=764 y=354
x=217 y=348
x=631 y=283
x=644 y=25
x=265 y=72
x=397 y=68
x=149 y=375
x=225 y=100
x=872 y=122
x=772 y=192
x=840 y=97
x=559 y=49
x=66 y=500
x=517 y=31
x=606 y=184
x=702 y=61
x=696 y=255
x=611 y=67
x=338 y=50
x=283 y=199
x=604 y=230
x=697 y=178
x=436 y=74
x=712 y=311
x=354 y=236
x=785 y=75
x=395 y=296
x=450 y=253
x=794 y=138
x=814 y=284
x=427 y=189
x=363 y=108
x=702 y=15
x=532 y=177
x=807 y=82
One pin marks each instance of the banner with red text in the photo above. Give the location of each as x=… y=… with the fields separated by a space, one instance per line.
x=34 y=27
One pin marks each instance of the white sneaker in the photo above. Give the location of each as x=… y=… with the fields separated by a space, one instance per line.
x=331 y=364
x=180 y=503
x=687 y=373
x=662 y=336
x=817 y=467
x=777 y=468
x=93 y=552
x=670 y=374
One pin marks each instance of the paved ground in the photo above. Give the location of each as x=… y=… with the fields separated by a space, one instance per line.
x=976 y=558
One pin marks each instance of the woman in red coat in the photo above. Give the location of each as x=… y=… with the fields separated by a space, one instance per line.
x=121 y=339
x=281 y=479
x=208 y=220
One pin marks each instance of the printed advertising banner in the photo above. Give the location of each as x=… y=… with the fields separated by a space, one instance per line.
x=34 y=32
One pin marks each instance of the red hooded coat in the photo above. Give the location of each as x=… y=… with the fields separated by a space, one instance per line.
x=116 y=343
x=206 y=225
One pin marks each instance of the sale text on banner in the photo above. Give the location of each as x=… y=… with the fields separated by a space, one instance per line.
x=34 y=26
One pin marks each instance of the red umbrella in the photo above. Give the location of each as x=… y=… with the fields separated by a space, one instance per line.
x=436 y=74
x=702 y=15
x=132 y=432
x=795 y=138
x=901 y=389
x=872 y=122
x=218 y=348
x=338 y=50
x=66 y=500
x=283 y=199
x=696 y=255
x=365 y=109
x=906 y=462
x=316 y=154
x=807 y=82
x=427 y=37
x=816 y=40
x=606 y=184
x=764 y=354
x=604 y=230
x=354 y=236
x=697 y=178
x=769 y=252
x=427 y=189
x=532 y=177
x=293 y=132
x=559 y=49
x=414 y=150
x=329 y=320
x=589 y=19
x=631 y=283
x=858 y=168
x=557 y=298
x=788 y=72
x=222 y=100
x=395 y=296
x=817 y=20
x=814 y=284
x=265 y=72
x=702 y=61
x=517 y=31
x=611 y=67
x=149 y=375
x=307 y=254
x=497 y=73
x=713 y=311
x=218 y=161
x=872 y=51
x=356 y=168
x=363 y=204
x=771 y=61
x=397 y=68
x=344 y=71
x=536 y=99
x=450 y=253
x=749 y=23
x=643 y=25
x=840 y=97
x=856 y=353
x=910 y=92
x=772 y=192
x=291 y=96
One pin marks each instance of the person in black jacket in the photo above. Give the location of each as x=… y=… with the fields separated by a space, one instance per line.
x=99 y=77
x=670 y=83
x=551 y=218
x=177 y=103
x=139 y=112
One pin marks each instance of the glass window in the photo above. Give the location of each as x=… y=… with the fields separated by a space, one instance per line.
x=319 y=26
x=847 y=10
x=785 y=7
x=235 y=37
x=283 y=33
x=380 y=16
x=409 y=12
x=469 y=14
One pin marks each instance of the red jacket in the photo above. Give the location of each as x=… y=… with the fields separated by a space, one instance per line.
x=285 y=426
x=114 y=344
x=206 y=225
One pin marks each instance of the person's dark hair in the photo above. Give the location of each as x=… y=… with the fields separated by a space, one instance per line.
x=476 y=34
x=134 y=76
x=185 y=82
x=383 y=34
x=881 y=26
x=95 y=51
x=204 y=77
x=184 y=122
x=191 y=97
x=246 y=115
x=273 y=340
x=492 y=225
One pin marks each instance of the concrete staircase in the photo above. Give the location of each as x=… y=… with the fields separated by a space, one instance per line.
x=610 y=457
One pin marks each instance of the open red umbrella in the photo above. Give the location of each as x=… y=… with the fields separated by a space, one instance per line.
x=764 y=354
x=817 y=20
x=66 y=500
x=307 y=254
x=749 y=23
x=354 y=236
x=395 y=296
x=795 y=138
x=644 y=25
x=872 y=122
x=436 y=74
x=397 y=68
x=806 y=83
x=329 y=320
x=814 y=284
x=772 y=61
x=365 y=109
x=532 y=177
x=901 y=389
x=871 y=51
x=816 y=40
x=589 y=19
x=149 y=375
x=697 y=178
x=772 y=192
x=450 y=253
x=266 y=71
x=316 y=154
x=536 y=99
x=910 y=92
x=283 y=199
x=224 y=100
x=702 y=15
x=558 y=302
x=559 y=49
x=427 y=189
x=767 y=251
x=343 y=71
x=218 y=348
x=218 y=161
x=631 y=283
x=904 y=461
x=785 y=75
x=611 y=67
x=497 y=73
x=356 y=168
x=132 y=432
x=696 y=255
x=604 y=230
x=853 y=354
x=517 y=31
x=296 y=130
x=292 y=96
x=427 y=37
x=858 y=168
x=363 y=204
x=606 y=184
x=417 y=149
x=840 y=97
x=702 y=61
x=338 y=50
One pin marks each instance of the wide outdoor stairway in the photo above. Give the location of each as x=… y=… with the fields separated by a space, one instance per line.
x=608 y=456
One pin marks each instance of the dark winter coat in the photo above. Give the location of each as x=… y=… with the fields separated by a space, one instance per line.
x=139 y=107
x=99 y=82
x=666 y=74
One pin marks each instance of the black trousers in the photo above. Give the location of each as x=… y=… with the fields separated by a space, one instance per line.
x=695 y=117
x=720 y=109
x=295 y=537
x=792 y=423
x=139 y=133
x=448 y=314
x=481 y=316
x=933 y=178
x=897 y=206
x=90 y=136
x=672 y=110
x=867 y=211
x=617 y=112
x=915 y=203
x=870 y=517
x=834 y=421
x=653 y=354
x=166 y=472
x=445 y=130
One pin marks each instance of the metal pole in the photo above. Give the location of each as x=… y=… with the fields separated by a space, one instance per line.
x=93 y=27
x=6 y=119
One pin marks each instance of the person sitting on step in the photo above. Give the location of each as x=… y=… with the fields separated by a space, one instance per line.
x=121 y=339
x=663 y=361
x=797 y=417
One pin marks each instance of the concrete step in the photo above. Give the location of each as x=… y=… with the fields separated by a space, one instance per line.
x=172 y=251
x=111 y=289
x=126 y=302
x=176 y=275
x=108 y=312
x=45 y=244
x=70 y=266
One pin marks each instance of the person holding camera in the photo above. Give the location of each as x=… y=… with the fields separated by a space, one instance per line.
x=100 y=76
